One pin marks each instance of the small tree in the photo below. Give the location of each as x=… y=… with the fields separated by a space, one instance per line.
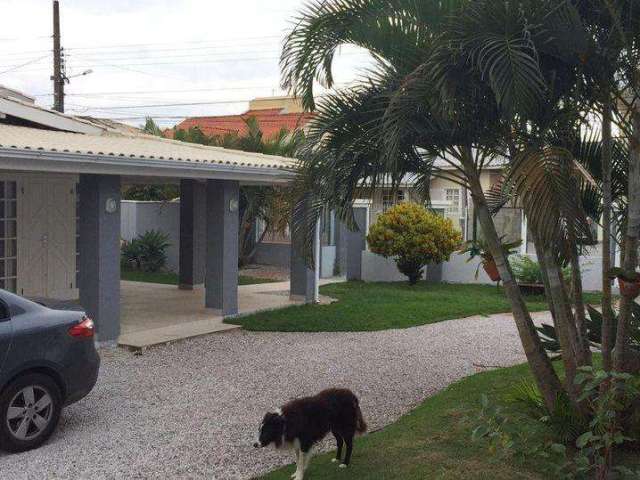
x=414 y=237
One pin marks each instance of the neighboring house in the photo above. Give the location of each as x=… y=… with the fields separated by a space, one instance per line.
x=272 y=113
x=60 y=217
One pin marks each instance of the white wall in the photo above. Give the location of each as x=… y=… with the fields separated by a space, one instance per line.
x=327 y=261
x=139 y=217
x=457 y=270
x=376 y=268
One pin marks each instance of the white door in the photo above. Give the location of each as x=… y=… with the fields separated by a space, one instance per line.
x=47 y=238
x=32 y=238
x=61 y=238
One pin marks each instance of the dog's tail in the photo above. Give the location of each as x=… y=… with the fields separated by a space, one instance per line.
x=361 y=425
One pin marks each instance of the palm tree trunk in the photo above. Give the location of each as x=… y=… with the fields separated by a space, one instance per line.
x=584 y=351
x=630 y=258
x=541 y=367
x=563 y=316
x=607 y=301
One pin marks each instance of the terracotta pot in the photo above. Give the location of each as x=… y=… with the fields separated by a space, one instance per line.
x=629 y=289
x=492 y=270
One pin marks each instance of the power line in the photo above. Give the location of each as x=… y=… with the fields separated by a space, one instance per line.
x=126 y=66
x=185 y=104
x=187 y=90
x=146 y=92
x=119 y=53
x=17 y=67
x=229 y=39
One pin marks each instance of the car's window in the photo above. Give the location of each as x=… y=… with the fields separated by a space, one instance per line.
x=16 y=304
x=5 y=314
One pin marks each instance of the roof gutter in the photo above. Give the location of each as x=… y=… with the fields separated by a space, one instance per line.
x=59 y=162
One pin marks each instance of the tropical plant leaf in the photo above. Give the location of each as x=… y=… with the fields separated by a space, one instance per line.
x=548 y=183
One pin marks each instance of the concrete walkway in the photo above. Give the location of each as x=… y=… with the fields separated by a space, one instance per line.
x=191 y=410
x=154 y=314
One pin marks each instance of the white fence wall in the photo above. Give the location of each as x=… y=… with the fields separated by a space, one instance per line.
x=457 y=270
x=376 y=268
x=139 y=217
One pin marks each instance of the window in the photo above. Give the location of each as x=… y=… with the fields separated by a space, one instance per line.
x=389 y=201
x=452 y=196
x=8 y=236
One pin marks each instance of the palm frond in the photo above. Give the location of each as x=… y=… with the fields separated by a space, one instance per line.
x=394 y=32
x=548 y=183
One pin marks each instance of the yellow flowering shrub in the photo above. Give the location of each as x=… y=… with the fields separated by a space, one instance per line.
x=414 y=237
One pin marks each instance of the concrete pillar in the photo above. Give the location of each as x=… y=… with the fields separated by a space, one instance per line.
x=99 y=248
x=302 y=278
x=433 y=273
x=341 y=247
x=356 y=243
x=221 y=278
x=193 y=220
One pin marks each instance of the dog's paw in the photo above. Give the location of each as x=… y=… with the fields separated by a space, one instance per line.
x=334 y=460
x=343 y=465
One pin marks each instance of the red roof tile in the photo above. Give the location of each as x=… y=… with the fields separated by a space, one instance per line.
x=271 y=121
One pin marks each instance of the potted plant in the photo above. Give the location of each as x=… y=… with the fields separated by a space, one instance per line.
x=629 y=282
x=528 y=274
x=479 y=248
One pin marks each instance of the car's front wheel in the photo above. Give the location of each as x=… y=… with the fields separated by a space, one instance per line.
x=29 y=412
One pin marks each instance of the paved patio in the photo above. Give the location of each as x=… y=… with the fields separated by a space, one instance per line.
x=153 y=314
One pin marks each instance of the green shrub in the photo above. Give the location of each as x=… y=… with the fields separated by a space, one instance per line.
x=414 y=237
x=551 y=343
x=147 y=252
x=527 y=270
x=565 y=422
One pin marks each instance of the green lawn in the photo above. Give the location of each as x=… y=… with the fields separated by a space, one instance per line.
x=380 y=306
x=434 y=440
x=170 y=278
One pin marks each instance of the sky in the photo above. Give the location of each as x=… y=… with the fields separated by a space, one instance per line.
x=150 y=57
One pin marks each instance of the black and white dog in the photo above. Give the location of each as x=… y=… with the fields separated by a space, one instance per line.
x=302 y=423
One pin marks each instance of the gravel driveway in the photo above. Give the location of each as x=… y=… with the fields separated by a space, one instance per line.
x=191 y=410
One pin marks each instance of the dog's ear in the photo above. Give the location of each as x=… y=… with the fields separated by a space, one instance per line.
x=273 y=419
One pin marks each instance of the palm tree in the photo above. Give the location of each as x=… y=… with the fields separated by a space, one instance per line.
x=444 y=88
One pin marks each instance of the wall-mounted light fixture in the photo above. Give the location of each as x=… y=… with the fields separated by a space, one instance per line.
x=111 y=205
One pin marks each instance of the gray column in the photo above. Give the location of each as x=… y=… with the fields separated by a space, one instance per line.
x=341 y=247
x=221 y=278
x=99 y=247
x=433 y=273
x=356 y=243
x=193 y=220
x=302 y=278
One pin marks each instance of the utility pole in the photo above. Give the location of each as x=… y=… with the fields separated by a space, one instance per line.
x=58 y=62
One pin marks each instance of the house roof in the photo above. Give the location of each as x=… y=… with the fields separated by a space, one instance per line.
x=139 y=146
x=34 y=138
x=271 y=121
x=33 y=114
